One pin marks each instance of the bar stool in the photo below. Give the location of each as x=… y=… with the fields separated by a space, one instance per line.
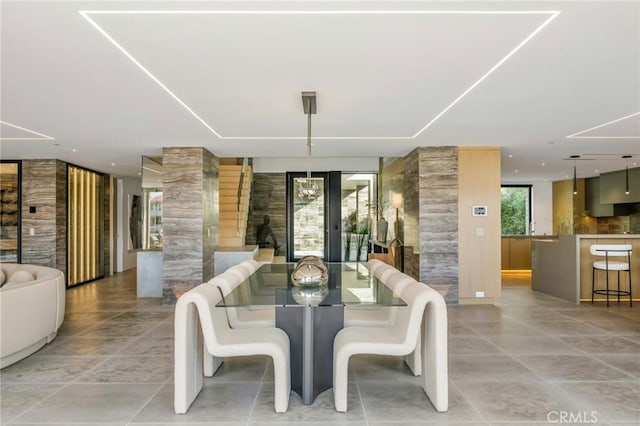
x=608 y=251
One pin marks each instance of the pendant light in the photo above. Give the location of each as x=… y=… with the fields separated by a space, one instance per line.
x=575 y=180
x=309 y=190
x=626 y=173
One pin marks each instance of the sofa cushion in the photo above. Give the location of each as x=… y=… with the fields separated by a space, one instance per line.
x=3 y=277
x=20 y=276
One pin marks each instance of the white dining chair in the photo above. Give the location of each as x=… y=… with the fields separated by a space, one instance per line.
x=243 y=272
x=374 y=316
x=199 y=305
x=396 y=282
x=383 y=272
x=608 y=253
x=242 y=316
x=363 y=316
x=373 y=264
x=252 y=264
x=426 y=310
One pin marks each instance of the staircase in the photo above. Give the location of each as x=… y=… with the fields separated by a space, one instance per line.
x=234 y=210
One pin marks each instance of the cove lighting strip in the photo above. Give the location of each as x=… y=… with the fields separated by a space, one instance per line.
x=87 y=15
x=578 y=135
x=40 y=137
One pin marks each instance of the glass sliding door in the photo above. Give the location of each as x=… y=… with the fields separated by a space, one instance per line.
x=307 y=215
x=85 y=225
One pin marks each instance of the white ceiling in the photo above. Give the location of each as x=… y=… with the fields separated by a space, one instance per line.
x=100 y=84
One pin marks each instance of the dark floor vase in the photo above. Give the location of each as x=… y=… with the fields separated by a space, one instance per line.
x=383 y=226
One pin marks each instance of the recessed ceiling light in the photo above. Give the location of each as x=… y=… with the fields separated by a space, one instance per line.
x=596 y=171
x=516 y=170
x=542 y=164
x=42 y=136
x=577 y=135
x=73 y=150
x=88 y=13
x=510 y=155
x=113 y=164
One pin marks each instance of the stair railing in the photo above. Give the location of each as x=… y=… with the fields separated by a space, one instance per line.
x=245 y=162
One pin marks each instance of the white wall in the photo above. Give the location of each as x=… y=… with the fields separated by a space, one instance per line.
x=542 y=208
x=125 y=258
x=323 y=164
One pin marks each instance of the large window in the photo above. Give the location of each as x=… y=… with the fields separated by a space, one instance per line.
x=515 y=208
x=358 y=214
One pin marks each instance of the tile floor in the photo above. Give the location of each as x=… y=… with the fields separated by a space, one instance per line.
x=528 y=360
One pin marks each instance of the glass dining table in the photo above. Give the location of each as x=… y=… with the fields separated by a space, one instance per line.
x=311 y=316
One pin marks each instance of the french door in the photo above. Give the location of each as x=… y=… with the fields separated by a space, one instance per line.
x=313 y=215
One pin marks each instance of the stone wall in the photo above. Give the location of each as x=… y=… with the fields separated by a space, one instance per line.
x=431 y=215
x=44 y=186
x=61 y=216
x=411 y=262
x=269 y=196
x=634 y=220
x=190 y=222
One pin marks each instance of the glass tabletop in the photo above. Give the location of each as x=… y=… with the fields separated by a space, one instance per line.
x=349 y=284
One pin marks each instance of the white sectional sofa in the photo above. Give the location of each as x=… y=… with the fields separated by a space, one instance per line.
x=32 y=303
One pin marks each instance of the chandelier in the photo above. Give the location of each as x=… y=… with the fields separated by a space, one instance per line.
x=308 y=190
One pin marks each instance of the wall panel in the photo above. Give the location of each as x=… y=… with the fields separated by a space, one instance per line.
x=479 y=236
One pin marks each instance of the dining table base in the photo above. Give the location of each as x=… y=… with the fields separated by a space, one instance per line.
x=311 y=330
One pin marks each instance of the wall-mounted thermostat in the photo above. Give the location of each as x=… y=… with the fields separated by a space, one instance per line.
x=479 y=210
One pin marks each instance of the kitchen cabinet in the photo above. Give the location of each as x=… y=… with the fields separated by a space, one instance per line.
x=592 y=199
x=612 y=187
x=516 y=253
x=594 y=187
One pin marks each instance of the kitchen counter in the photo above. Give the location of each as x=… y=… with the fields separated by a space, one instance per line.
x=561 y=266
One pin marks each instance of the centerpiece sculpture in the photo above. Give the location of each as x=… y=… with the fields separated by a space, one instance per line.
x=310 y=278
x=310 y=271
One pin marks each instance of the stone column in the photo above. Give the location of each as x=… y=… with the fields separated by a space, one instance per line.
x=431 y=217
x=190 y=188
